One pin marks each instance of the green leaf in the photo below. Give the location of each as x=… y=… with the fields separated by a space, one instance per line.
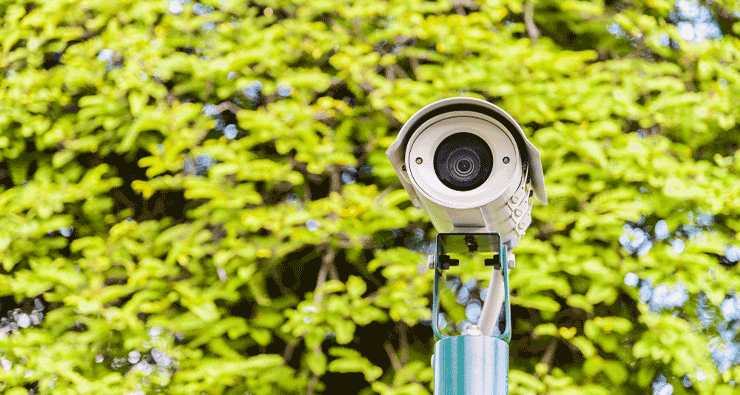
x=316 y=361
x=356 y=286
x=262 y=336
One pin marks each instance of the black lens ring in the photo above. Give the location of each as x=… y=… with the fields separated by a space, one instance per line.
x=466 y=147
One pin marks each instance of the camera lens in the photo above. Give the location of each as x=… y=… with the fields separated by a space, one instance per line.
x=463 y=161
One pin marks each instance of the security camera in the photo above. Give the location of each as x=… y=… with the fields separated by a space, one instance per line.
x=468 y=164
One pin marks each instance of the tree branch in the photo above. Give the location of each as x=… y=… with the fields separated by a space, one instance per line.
x=414 y=63
x=326 y=261
x=549 y=355
x=334 y=171
x=312 y=384
x=395 y=362
x=399 y=71
x=333 y=273
x=389 y=74
x=288 y=353
x=314 y=377
x=392 y=356
x=404 y=343
x=226 y=105
x=532 y=30
x=460 y=5
x=279 y=282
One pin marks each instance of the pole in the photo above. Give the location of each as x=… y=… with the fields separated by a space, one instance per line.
x=471 y=365
x=474 y=363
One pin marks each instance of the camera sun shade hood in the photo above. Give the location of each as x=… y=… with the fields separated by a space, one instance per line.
x=528 y=152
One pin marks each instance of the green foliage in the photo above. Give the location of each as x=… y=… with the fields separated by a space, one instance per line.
x=194 y=198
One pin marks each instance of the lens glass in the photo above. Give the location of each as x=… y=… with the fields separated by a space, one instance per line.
x=463 y=161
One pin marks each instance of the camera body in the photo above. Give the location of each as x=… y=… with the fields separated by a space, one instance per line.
x=468 y=164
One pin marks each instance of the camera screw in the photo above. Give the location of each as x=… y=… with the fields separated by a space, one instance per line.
x=418 y=161
x=506 y=159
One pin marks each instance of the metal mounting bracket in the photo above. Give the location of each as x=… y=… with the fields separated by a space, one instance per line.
x=470 y=243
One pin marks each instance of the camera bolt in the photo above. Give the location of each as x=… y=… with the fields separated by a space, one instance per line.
x=506 y=159
x=418 y=161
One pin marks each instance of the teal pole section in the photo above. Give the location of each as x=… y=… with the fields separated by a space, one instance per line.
x=471 y=365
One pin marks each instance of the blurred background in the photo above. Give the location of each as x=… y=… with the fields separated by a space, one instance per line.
x=195 y=197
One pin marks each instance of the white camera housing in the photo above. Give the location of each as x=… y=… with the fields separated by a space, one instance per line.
x=499 y=202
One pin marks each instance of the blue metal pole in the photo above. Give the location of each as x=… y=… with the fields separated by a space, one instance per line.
x=471 y=365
